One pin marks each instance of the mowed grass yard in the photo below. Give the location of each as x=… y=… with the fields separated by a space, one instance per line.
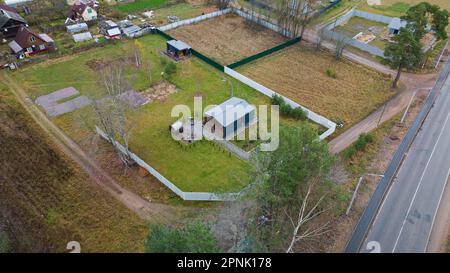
x=141 y=5
x=227 y=38
x=300 y=73
x=202 y=166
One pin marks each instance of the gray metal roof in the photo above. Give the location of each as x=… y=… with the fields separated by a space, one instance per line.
x=180 y=45
x=230 y=110
x=397 y=23
x=80 y=37
x=16 y=48
x=77 y=27
x=46 y=38
x=130 y=30
x=6 y=15
x=113 y=32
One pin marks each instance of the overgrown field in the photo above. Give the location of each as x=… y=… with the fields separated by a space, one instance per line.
x=338 y=90
x=202 y=166
x=227 y=38
x=48 y=201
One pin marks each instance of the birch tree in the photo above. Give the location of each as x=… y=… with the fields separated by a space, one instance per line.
x=110 y=111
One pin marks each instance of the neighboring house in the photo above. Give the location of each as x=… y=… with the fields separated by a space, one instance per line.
x=28 y=43
x=83 y=10
x=230 y=118
x=10 y=21
x=395 y=25
x=77 y=28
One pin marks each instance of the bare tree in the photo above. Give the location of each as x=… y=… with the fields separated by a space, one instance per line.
x=137 y=53
x=301 y=233
x=294 y=15
x=110 y=112
x=222 y=4
x=320 y=37
x=341 y=43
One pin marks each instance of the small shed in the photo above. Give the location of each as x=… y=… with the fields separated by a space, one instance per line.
x=395 y=25
x=178 y=48
x=113 y=33
x=81 y=37
x=77 y=28
x=230 y=117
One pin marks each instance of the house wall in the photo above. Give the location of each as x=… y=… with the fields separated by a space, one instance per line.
x=230 y=132
x=10 y=29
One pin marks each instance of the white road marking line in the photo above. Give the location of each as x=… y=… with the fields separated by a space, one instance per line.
x=420 y=182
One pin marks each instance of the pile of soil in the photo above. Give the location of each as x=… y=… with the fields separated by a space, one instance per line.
x=159 y=91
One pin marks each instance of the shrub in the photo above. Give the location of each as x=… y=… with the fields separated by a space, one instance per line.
x=349 y=152
x=359 y=145
x=362 y=141
x=4 y=243
x=298 y=113
x=287 y=110
x=170 y=69
x=195 y=237
x=277 y=100
x=331 y=73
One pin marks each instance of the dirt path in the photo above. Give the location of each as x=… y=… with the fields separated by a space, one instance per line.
x=99 y=177
x=384 y=113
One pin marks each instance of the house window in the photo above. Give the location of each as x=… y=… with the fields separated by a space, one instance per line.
x=32 y=39
x=41 y=47
x=89 y=10
x=30 y=49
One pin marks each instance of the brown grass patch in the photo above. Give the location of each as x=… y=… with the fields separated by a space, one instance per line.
x=300 y=73
x=227 y=38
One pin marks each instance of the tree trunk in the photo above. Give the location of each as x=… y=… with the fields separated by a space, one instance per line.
x=399 y=72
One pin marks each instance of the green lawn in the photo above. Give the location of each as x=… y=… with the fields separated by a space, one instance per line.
x=398 y=8
x=182 y=10
x=202 y=166
x=140 y=5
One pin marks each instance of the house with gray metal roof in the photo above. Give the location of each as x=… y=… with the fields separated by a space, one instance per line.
x=230 y=118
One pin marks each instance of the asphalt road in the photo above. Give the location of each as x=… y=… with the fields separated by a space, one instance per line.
x=405 y=218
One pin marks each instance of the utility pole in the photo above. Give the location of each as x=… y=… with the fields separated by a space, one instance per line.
x=356 y=189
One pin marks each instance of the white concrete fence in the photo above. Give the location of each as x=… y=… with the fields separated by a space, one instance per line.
x=195 y=19
x=187 y=196
x=330 y=34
